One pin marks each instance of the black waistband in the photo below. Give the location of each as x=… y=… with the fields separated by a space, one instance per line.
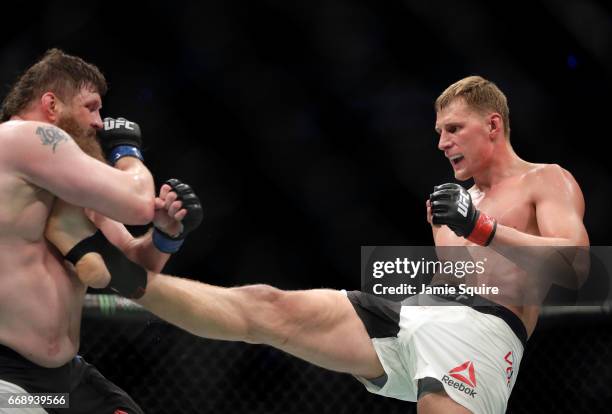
x=32 y=377
x=9 y=353
x=483 y=305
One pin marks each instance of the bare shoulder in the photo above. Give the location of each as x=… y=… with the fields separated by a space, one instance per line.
x=26 y=142
x=550 y=175
x=551 y=181
x=27 y=133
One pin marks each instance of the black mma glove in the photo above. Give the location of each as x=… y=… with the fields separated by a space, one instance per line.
x=191 y=203
x=451 y=204
x=120 y=138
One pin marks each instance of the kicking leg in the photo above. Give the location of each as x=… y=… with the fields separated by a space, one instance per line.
x=319 y=326
x=439 y=403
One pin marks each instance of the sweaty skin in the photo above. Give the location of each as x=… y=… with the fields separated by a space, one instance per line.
x=534 y=204
x=69 y=224
x=319 y=326
x=40 y=297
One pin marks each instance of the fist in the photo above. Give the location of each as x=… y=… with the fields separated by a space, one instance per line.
x=451 y=204
x=120 y=138
x=178 y=209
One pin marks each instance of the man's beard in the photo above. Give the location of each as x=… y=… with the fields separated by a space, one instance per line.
x=84 y=137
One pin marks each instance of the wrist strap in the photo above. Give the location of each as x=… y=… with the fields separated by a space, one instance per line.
x=165 y=243
x=484 y=230
x=121 y=151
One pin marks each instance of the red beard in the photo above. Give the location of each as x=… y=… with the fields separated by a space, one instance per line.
x=84 y=137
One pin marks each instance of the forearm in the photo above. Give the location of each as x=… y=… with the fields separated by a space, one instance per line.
x=562 y=259
x=508 y=237
x=203 y=310
x=140 y=184
x=121 y=141
x=141 y=250
x=434 y=231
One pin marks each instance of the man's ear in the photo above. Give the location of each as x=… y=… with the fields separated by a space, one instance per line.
x=50 y=106
x=495 y=125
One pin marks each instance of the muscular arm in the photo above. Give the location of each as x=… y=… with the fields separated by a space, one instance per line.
x=69 y=224
x=559 y=207
x=169 y=215
x=48 y=157
x=559 y=212
x=138 y=249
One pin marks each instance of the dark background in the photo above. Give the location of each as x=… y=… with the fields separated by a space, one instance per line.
x=307 y=128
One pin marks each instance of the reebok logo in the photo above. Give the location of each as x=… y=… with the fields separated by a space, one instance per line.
x=463 y=205
x=118 y=123
x=466 y=375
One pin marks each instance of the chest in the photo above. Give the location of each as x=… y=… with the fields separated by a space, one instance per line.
x=510 y=204
x=24 y=209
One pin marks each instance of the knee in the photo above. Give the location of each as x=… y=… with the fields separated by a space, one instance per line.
x=259 y=294
x=265 y=313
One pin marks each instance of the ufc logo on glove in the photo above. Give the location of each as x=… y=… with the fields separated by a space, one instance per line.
x=464 y=204
x=118 y=123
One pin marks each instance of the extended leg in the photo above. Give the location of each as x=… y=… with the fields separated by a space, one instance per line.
x=319 y=326
x=439 y=403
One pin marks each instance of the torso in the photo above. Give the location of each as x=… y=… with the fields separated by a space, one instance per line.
x=511 y=203
x=40 y=300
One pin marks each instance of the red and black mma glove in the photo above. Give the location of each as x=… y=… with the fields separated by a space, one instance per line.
x=171 y=244
x=451 y=204
x=120 y=138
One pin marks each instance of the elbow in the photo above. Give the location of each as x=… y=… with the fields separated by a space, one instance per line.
x=264 y=318
x=145 y=211
x=141 y=211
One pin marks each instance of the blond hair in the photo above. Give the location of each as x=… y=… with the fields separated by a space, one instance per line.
x=479 y=94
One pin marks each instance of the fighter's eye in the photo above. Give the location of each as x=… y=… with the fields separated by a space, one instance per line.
x=92 y=107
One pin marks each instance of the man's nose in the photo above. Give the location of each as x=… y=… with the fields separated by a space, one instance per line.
x=444 y=143
x=96 y=122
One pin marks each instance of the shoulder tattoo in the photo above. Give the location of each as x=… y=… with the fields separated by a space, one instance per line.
x=51 y=135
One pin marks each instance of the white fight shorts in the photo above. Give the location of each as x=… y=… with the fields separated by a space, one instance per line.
x=473 y=350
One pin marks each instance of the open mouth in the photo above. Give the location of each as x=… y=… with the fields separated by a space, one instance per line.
x=455 y=160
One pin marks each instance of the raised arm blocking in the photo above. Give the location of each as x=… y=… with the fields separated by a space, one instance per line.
x=49 y=158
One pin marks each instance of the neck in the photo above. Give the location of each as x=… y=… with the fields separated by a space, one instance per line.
x=503 y=164
x=31 y=115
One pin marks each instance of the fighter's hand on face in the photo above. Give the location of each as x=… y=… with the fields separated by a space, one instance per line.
x=451 y=204
x=178 y=211
x=120 y=138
